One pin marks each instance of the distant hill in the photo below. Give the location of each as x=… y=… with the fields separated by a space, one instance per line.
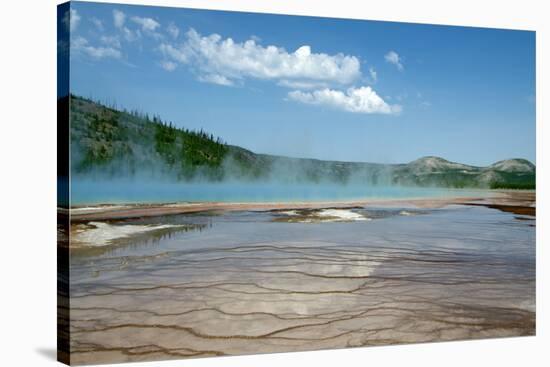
x=106 y=142
x=512 y=173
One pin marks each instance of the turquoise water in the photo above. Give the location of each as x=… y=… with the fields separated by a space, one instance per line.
x=96 y=192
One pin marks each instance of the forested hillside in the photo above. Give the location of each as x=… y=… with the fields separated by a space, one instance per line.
x=106 y=142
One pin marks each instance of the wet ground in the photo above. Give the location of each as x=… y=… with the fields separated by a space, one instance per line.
x=225 y=283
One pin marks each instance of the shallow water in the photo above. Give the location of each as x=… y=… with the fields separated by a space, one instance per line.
x=247 y=282
x=119 y=191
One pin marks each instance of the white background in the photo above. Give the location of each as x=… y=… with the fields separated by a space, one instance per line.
x=28 y=182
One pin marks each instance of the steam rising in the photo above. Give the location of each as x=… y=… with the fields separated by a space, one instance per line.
x=265 y=178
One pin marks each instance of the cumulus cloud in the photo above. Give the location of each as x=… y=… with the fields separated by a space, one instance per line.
x=119 y=21
x=112 y=41
x=173 y=30
x=214 y=55
x=301 y=84
x=315 y=78
x=118 y=18
x=71 y=19
x=81 y=45
x=216 y=79
x=373 y=74
x=174 y=53
x=357 y=100
x=393 y=58
x=130 y=35
x=168 y=65
x=97 y=23
x=147 y=24
x=148 y=27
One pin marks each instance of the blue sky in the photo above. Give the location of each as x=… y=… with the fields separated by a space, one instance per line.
x=314 y=87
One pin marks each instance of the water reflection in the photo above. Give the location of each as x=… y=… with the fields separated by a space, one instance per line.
x=243 y=282
x=168 y=228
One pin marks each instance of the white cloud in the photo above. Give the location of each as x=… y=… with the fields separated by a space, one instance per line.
x=173 y=30
x=223 y=61
x=118 y=18
x=130 y=35
x=393 y=58
x=147 y=24
x=373 y=74
x=81 y=45
x=97 y=23
x=357 y=100
x=216 y=79
x=112 y=41
x=301 y=84
x=78 y=42
x=426 y=104
x=173 y=53
x=232 y=60
x=168 y=65
x=71 y=19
